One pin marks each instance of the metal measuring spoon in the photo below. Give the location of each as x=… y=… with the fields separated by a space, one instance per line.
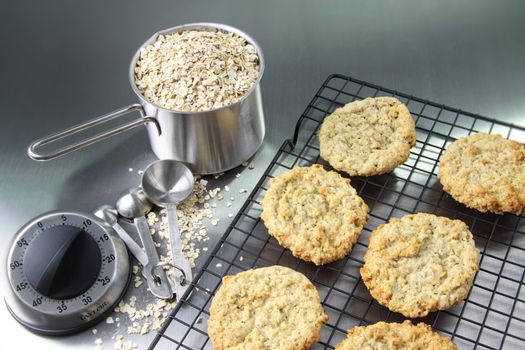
x=166 y=183
x=135 y=205
x=109 y=215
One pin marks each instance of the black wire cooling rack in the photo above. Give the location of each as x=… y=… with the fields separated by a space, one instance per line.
x=492 y=316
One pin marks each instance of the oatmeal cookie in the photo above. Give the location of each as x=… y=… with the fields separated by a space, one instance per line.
x=485 y=172
x=420 y=263
x=395 y=336
x=266 y=308
x=368 y=137
x=315 y=213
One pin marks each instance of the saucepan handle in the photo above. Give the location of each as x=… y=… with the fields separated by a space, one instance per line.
x=33 y=152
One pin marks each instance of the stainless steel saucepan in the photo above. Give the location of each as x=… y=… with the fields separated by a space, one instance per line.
x=208 y=142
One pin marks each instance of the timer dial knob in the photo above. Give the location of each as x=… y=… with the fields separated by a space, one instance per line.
x=62 y=262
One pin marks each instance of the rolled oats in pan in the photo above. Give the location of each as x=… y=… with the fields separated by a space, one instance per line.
x=197 y=70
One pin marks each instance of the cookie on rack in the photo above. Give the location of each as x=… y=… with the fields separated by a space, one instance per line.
x=368 y=137
x=315 y=213
x=266 y=308
x=395 y=336
x=420 y=263
x=485 y=172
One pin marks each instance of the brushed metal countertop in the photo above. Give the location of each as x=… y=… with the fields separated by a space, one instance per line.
x=64 y=62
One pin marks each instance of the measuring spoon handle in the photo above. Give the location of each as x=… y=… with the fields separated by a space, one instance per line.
x=161 y=288
x=133 y=247
x=176 y=247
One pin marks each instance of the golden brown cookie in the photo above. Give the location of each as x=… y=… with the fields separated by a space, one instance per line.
x=395 y=336
x=485 y=172
x=315 y=213
x=420 y=263
x=266 y=308
x=368 y=137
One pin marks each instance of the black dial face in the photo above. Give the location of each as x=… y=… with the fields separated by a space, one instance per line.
x=62 y=262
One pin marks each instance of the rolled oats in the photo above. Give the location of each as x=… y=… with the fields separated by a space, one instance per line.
x=197 y=70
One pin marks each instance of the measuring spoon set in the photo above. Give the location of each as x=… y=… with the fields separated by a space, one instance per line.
x=164 y=183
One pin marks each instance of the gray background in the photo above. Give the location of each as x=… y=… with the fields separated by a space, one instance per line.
x=62 y=62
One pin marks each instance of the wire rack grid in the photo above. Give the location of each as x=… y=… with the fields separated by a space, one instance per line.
x=493 y=314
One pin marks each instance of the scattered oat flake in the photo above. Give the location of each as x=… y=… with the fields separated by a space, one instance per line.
x=243 y=190
x=140 y=172
x=117 y=345
x=230 y=215
x=130 y=169
x=218 y=265
x=109 y=320
x=229 y=204
x=145 y=328
x=94 y=331
x=237 y=175
x=98 y=341
x=241 y=258
x=227 y=188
